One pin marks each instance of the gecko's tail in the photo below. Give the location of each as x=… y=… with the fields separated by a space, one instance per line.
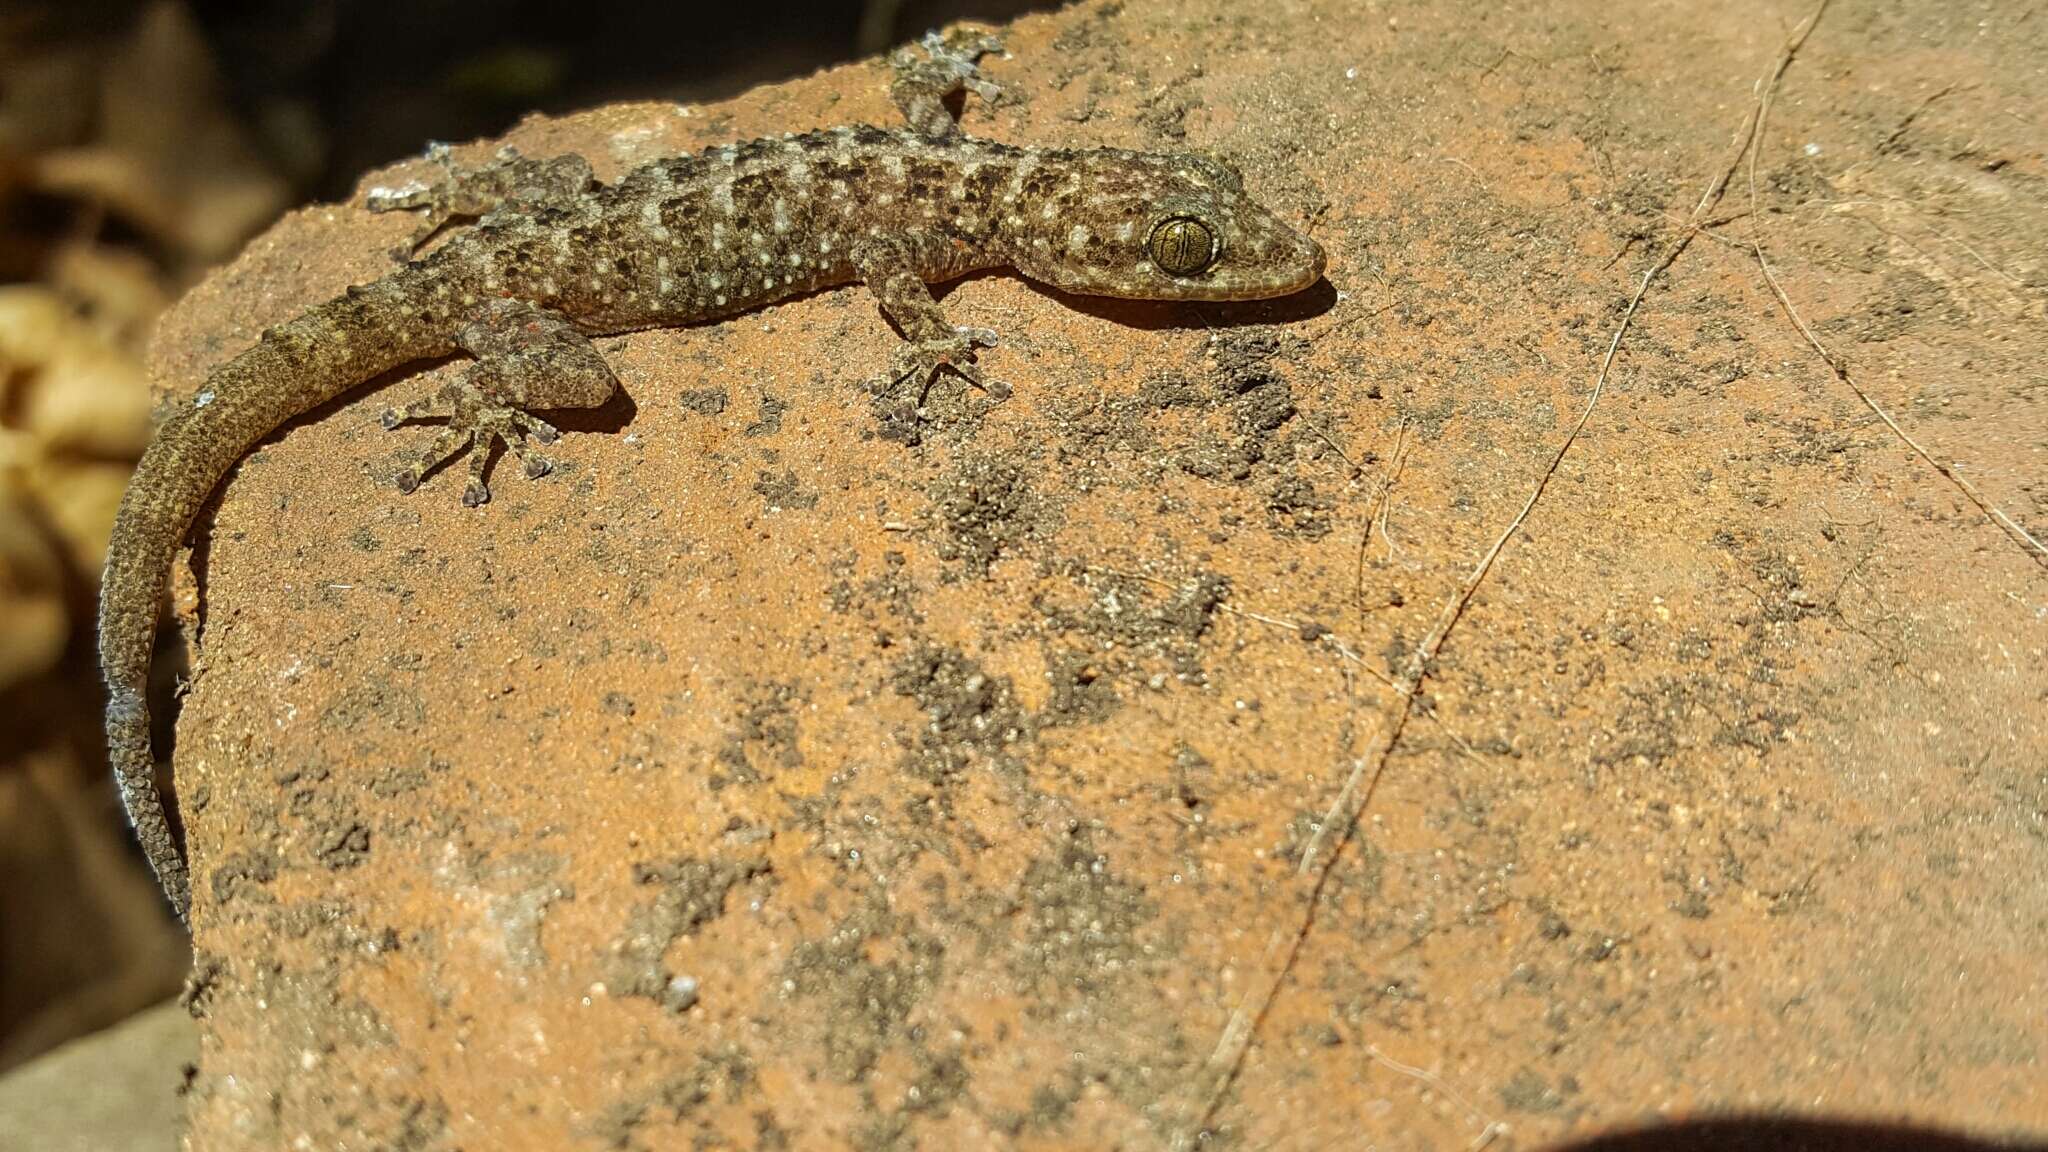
x=295 y=367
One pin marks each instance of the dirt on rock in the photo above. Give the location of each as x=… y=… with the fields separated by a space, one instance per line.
x=767 y=778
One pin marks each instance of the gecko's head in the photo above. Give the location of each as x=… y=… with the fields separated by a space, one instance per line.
x=1155 y=226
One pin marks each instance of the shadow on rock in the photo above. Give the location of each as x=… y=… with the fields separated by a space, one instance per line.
x=1783 y=1134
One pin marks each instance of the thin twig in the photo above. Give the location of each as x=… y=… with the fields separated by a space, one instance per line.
x=1492 y=1127
x=1317 y=428
x=1343 y=650
x=1841 y=370
x=1342 y=816
x=1889 y=201
x=1885 y=145
x=1376 y=511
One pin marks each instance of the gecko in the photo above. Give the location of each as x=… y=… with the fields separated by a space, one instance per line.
x=540 y=258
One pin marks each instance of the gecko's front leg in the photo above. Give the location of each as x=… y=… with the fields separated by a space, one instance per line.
x=931 y=344
x=527 y=358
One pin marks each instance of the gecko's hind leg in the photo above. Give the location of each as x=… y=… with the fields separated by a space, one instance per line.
x=527 y=358
x=471 y=193
x=922 y=87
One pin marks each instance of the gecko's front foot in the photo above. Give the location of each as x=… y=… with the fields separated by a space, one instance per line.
x=922 y=361
x=921 y=87
x=478 y=423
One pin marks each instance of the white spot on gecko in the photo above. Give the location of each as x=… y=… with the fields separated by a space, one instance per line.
x=384 y=197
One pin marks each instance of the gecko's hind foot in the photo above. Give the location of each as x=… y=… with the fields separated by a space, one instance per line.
x=478 y=423
x=461 y=193
x=924 y=360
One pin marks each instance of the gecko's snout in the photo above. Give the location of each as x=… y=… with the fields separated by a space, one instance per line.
x=1303 y=267
x=1273 y=259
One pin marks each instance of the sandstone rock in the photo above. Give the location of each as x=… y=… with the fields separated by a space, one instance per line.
x=759 y=781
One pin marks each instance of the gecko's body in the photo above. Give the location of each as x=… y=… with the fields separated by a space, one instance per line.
x=555 y=258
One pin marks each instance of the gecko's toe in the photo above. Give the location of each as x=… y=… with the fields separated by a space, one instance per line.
x=434 y=406
x=925 y=361
x=445 y=445
x=532 y=463
x=535 y=427
x=475 y=494
x=995 y=389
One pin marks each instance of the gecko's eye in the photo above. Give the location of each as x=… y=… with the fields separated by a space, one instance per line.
x=1183 y=246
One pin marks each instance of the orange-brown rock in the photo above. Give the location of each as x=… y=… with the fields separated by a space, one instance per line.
x=756 y=781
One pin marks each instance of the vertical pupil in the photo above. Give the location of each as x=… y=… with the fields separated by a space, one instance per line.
x=1182 y=246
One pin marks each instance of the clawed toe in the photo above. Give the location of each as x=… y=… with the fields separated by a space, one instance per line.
x=924 y=362
x=532 y=463
x=995 y=389
x=476 y=425
x=443 y=447
x=420 y=410
x=534 y=427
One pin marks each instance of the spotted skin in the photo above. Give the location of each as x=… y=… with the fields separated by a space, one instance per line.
x=550 y=258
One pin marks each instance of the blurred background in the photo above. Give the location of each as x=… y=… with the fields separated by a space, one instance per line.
x=142 y=143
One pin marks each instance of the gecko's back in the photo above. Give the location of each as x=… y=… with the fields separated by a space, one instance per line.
x=736 y=227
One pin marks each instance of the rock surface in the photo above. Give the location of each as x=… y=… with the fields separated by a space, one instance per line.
x=757 y=781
